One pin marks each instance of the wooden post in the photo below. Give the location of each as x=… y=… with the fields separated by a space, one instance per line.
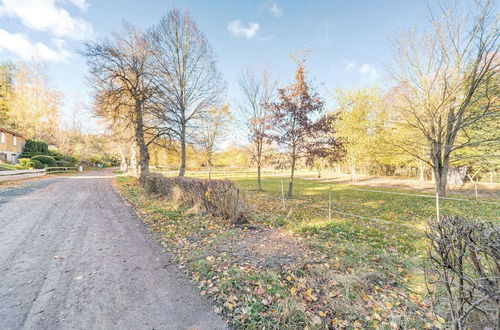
x=283 y=196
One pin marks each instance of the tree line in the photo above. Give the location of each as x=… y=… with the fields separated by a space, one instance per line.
x=31 y=105
x=441 y=110
x=162 y=86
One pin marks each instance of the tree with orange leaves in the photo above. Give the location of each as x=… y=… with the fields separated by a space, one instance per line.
x=295 y=131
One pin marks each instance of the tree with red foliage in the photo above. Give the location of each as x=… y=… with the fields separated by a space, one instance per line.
x=296 y=132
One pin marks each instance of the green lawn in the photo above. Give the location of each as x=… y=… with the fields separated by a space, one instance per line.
x=7 y=167
x=360 y=270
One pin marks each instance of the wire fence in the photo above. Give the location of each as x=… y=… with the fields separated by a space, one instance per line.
x=330 y=206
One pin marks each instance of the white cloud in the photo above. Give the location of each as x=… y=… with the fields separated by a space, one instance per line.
x=45 y=15
x=368 y=73
x=21 y=46
x=349 y=65
x=237 y=28
x=274 y=8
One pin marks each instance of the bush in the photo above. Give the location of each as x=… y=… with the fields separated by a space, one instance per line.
x=216 y=197
x=34 y=147
x=47 y=161
x=64 y=163
x=37 y=164
x=465 y=271
x=25 y=163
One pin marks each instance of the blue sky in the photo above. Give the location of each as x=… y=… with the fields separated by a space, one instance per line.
x=349 y=39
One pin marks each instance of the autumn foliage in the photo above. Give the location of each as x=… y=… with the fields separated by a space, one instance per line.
x=295 y=130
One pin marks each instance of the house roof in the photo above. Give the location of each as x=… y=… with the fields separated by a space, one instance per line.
x=5 y=130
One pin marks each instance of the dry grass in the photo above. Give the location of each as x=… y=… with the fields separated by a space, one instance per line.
x=220 y=198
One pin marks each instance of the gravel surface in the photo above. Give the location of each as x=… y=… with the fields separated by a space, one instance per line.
x=74 y=256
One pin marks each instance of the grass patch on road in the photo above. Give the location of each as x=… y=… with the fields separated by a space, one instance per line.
x=295 y=268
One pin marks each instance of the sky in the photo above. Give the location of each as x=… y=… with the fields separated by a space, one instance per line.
x=349 y=40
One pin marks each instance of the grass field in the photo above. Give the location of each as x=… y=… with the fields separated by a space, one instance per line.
x=303 y=268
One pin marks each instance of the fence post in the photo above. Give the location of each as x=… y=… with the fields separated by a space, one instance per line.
x=283 y=196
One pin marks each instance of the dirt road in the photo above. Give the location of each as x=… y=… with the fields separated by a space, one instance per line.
x=74 y=256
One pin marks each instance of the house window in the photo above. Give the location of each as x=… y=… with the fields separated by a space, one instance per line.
x=2 y=137
x=14 y=142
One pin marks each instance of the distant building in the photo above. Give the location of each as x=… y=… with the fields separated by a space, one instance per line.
x=11 y=145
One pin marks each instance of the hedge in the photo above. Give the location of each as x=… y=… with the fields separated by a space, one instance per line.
x=63 y=163
x=47 y=161
x=29 y=163
x=37 y=164
x=220 y=198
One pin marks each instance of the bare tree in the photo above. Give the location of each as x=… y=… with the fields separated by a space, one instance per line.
x=258 y=93
x=444 y=75
x=186 y=75
x=120 y=76
x=212 y=132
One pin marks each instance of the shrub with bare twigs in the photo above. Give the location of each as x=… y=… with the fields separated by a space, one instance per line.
x=465 y=271
x=216 y=197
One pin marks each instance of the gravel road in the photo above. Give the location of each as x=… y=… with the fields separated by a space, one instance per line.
x=74 y=256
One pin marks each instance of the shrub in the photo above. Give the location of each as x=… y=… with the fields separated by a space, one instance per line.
x=37 y=164
x=465 y=271
x=29 y=163
x=64 y=163
x=47 y=161
x=33 y=148
x=25 y=163
x=59 y=156
x=216 y=197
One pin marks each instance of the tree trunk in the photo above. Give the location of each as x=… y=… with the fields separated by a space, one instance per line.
x=440 y=164
x=133 y=168
x=441 y=179
x=353 y=173
x=182 y=169
x=290 y=184
x=421 y=173
x=258 y=178
x=141 y=143
x=123 y=159
x=209 y=170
